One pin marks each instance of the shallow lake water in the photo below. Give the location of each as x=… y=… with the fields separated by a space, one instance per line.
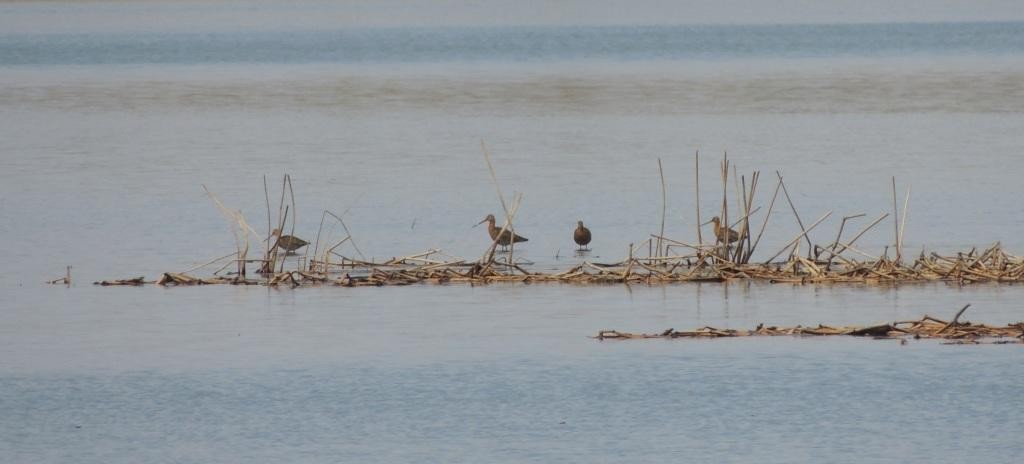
x=111 y=129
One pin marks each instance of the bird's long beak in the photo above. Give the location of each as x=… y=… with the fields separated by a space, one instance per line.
x=708 y=222
x=481 y=222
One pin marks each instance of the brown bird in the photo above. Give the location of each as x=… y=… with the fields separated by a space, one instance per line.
x=722 y=232
x=289 y=243
x=582 y=235
x=506 y=238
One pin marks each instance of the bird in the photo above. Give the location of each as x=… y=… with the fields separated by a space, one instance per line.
x=289 y=243
x=506 y=238
x=582 y=235
x=722 y=232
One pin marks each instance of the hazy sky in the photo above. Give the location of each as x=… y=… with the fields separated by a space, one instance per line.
x=210 y=15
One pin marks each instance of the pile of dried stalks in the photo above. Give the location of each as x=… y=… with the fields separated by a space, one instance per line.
x=728 y=257
x=926 y=327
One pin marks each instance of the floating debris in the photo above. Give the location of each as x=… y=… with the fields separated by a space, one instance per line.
x=135 y=282
x=926 y=327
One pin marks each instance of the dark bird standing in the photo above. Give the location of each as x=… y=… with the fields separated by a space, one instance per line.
x=506 y=238
x=289 y=243
x=722 y=232
x=582 y=235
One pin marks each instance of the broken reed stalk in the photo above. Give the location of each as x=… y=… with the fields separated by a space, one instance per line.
x=672 y=242
x=793 y=207
x=282 y=220
x=291 y=196
x=748 y=203
x=319 y=229
x=955 y=318
x=281 y=213
x=488 y=258
x=243 y=257
x=859 y=234
x=266 y=247
x=903 y=224
x=895 y=221
x=723 y=252
x=765 y=223
x=212 y=261
x=348 y=232
x=664 y=205
x=743 y=247
x=338 y=220
x=295 y=218
x=741 y=198
x=842 y=225
x=696 y=175
x=798 y=237
x=501 y=197
x=744 y=217
x=66 y=280
x=839 y=236
x=236 y=219
x=740 y=184
x=494 y=178
x=329 y=251
x=227 y=215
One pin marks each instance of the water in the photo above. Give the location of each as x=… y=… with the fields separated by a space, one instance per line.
x=520 y=44
x=115 y=115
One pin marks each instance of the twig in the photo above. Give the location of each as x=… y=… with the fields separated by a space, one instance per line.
x=347 y=231
x=696 y=175
x=797 y=238
x=793 y=207
x=903 y=225
x=207 y=263
x=724 y=240
x=953 y=322
x=839 y=235
x=266 y=196
x=661 y=173
x=895 y=220
x=766 y=216
x=862 y=232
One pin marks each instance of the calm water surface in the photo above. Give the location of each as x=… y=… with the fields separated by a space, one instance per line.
x=110 y=129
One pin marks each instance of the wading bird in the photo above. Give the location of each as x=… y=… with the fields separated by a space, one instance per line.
x=582 y=235
x=506 y=238
x=722 y=232
x=288 y=243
